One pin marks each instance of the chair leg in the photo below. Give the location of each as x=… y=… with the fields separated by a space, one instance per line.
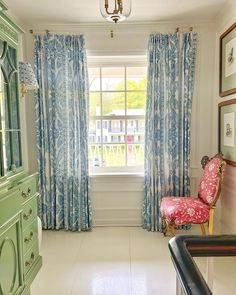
x=164 y=230
x=203 y=228
x=211 y=221
x=172 y=230
x=169 y=227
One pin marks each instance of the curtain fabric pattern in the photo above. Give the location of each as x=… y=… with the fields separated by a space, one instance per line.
x=61 y=130
x=168 y=120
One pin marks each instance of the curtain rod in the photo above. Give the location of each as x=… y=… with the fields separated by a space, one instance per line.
x=177 y=30
x=47 y=32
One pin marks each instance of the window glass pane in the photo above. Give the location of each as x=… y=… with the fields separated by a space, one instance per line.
x=7 y=150
x=113 y=104
x=12 y=55
x=14 y=103
x=4 y=104
x=136 y=103
x=113 y=79
x=136 y=78
x=135 y=131
x=94 y=104
x=113 y=155
x=2 y=169
x=1 y=47
x=94 y=79
x=3 y=111
x=7 y=66
x=113 y=131
x=5 y=108
x=135 y=154
x=16 y=149
x=95 y=131
x=95 y=155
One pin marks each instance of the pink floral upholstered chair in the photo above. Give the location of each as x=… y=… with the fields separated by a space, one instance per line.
x=196 y=210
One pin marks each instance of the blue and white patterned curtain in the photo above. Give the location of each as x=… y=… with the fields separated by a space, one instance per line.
x=168 y=121
x=62 y=122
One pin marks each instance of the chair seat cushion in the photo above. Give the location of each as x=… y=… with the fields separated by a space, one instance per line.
x=184 y=210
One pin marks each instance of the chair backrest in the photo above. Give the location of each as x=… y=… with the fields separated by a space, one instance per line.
x=210 y=185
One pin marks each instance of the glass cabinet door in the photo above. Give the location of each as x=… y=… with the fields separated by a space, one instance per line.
x=10 y=134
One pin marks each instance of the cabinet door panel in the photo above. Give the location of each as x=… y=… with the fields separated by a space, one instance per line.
x=10 y=150
x=10 y=262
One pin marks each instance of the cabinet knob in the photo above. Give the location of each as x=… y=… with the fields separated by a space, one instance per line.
x=27 y=216
x=27 y=194
x=31 y=260
x=29 y=238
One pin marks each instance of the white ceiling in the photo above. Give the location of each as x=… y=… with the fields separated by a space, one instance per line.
x=35 y=12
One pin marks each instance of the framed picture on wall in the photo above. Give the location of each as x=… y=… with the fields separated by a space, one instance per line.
x=228 y=61
x=227 y=130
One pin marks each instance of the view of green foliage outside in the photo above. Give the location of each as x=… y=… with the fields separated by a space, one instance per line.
x=116 y=100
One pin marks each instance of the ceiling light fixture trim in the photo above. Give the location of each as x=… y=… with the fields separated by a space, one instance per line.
x=115 y=10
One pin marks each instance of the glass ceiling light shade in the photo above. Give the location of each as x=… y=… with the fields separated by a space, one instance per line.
x=115 y=10
x=27 y=78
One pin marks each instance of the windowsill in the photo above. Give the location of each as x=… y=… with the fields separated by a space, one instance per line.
x=115 y=174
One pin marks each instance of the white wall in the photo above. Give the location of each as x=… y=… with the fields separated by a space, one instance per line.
x=227 y=206
x=113 y=202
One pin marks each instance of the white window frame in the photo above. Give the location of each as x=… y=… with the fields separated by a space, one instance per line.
x=117 y=61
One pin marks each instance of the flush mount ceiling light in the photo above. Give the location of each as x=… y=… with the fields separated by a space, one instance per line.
x=115 y=10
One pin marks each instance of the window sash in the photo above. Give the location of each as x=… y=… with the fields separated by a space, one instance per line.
x=125 y=117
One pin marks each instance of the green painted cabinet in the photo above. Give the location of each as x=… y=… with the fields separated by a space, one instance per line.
x=19 y=250
x=11 y=270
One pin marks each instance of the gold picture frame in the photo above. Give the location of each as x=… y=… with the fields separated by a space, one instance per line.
x=228 y=62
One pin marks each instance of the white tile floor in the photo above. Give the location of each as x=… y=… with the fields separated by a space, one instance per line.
x=115 y=261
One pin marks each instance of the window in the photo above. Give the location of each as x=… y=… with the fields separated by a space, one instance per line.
x=117 y=109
